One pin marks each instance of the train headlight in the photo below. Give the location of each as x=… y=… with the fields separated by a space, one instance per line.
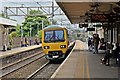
x=63 y=46
x=46 y=47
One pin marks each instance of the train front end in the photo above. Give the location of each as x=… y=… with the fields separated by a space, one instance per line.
x=54 y=43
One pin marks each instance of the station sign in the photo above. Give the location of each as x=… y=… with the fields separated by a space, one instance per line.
x=98 y=18
x=90 y=29
x=83 y=25
x=103 y=17
x=97 y=25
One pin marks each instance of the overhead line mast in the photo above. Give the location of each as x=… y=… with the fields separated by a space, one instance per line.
x=24 y=10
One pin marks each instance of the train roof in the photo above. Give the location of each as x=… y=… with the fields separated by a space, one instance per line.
x=53 y=26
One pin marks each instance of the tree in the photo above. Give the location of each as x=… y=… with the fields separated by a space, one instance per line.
x=34 y=22
x=40 y=35
x=11 y=36
x=3 y=15
x=18 y=31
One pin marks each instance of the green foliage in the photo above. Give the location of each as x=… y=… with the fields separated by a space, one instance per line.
x=34 y=22
x=35 y=12
x=3 y=15
x=13 y=34
x=40 y=34
x=18 y=30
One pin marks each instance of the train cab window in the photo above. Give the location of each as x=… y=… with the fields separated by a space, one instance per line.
x=48 y=35
x=54 y=36
x=59 y=35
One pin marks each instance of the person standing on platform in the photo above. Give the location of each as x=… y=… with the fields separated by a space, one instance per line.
x=36 y=41
x=108 y=54
x=26 y=42
x=89 y=43
x=117 y=53
x=96 y=40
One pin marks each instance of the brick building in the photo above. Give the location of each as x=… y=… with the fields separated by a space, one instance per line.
x=5 y=25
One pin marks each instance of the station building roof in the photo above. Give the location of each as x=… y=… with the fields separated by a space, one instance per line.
x=4 y=21
x=75 y=10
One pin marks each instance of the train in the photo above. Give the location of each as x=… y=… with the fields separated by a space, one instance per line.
x=55 y=42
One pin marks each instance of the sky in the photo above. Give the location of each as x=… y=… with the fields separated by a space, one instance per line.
x=26 y=3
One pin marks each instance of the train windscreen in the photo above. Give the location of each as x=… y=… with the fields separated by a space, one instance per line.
x=54 y=36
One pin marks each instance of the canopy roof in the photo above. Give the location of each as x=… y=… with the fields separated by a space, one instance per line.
x=77 y=9
x=8 y=22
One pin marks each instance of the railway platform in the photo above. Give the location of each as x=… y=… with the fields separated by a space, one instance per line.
x=82 y=63
x=16 y=54
x=18 y=50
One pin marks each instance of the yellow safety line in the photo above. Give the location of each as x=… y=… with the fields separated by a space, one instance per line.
x=83 y=65
x=83 y=60
x=87 y=69
x=87 y=65
x=80 y=69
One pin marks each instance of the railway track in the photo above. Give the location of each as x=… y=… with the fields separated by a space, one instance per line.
x=10 y=68
x=30 y=68
x=44 y=72
x=34 y=73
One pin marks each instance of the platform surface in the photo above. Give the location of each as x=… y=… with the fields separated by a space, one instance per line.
x=18 y=50
x=82 y=63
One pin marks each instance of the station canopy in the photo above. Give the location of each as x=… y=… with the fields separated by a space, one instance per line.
x=78 y=11
x=7 y=22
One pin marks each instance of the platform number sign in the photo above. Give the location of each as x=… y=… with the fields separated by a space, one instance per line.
x=90 y=29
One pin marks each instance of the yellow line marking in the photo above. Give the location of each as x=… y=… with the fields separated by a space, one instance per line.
x=83 y=65
x=87 y=68
x=87 y=65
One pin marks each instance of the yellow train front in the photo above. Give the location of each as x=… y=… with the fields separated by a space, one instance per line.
x=55 y=42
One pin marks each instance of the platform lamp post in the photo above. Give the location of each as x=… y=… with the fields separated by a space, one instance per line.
x=38 y=24
x=21 y=30
x=52 y=10
x=42 y=24
x=38 y=28
x=30 y=32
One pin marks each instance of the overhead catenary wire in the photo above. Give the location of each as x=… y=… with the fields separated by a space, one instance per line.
x=40 y=7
